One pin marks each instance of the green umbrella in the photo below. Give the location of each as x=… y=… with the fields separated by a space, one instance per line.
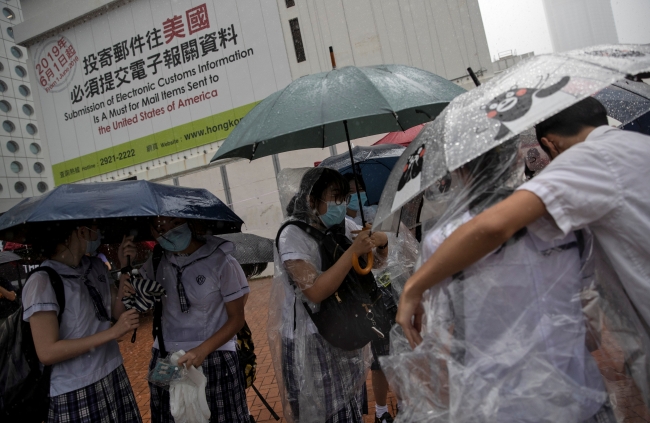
x=312 y=111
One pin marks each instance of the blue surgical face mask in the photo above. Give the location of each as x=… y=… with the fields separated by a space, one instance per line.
x=176 y=239
x=92 y=246
x=354 y=201
x=335 y=214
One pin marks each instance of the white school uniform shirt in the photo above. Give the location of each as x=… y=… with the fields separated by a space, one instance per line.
x=523 y=332
x=296 y=244
x=369 y=213
x=603 y=183
x=211 y=279
x=78 y=321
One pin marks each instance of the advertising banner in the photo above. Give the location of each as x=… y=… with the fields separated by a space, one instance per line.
x=154 y=77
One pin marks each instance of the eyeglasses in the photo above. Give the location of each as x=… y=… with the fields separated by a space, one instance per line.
x=338 y=201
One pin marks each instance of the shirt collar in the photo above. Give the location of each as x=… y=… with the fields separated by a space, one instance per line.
x=600 y=131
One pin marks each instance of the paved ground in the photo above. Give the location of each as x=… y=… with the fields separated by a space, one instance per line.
x=630 y=407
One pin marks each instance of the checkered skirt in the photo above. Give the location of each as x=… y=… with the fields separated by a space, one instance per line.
x=225 y=390
x=109 y=400
x=334 y=370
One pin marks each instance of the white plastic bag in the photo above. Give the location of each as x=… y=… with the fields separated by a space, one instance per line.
x=187 y=400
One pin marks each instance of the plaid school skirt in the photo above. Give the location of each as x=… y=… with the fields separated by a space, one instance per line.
x=109 y=400
x=324 y=361
x=225 y=390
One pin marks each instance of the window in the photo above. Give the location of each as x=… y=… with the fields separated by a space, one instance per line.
x=18 y=53
x=290 y=3
x=10 y=32
x=28 y=110
x=34 y=148
x=8 y=126
x=31 y=129
x=16 y=167
x=9 y=14
x=20 y=71
x=24 y=90
x=12 y=146
x=42 y=187
x=38 y=167
x=3 y=86
x=297 y=40
x=20 y=187
x=5 y=106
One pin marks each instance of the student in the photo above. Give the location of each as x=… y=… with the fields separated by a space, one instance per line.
x=321 y=383
x=201 y=314
x=598 y=178
x=353 y=209
x=510 y=328
x=88 y=381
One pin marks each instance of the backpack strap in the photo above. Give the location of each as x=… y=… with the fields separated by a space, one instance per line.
x=315 y=233
x=156 y=332
x=57 y=285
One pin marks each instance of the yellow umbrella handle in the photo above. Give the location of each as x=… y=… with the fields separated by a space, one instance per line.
x=357 y=268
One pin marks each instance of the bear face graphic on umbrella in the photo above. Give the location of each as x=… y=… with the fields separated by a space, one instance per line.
x=517 y=107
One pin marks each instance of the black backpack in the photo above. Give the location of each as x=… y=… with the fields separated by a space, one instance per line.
x=355 y=314
x=24 y=387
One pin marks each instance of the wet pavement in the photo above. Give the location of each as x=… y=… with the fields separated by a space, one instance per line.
x=629 y=406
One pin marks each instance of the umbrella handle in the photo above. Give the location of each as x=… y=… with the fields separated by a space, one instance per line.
x=357 y=267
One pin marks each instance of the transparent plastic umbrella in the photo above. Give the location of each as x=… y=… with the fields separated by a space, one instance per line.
x=505 y=106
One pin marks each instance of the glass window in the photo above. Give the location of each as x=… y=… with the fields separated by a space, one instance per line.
x=38 y=167
x=31 y=129
x=16 y=167
x=3 y=86
x=12 y=146
x=297 y=40
x=9 y=14
x=8 y=126
x=34 y=148
x=42 y=187
x=24 y=90
x=28 y=110
x=20 y=71
x=16 y=52
x=10 y=32
x=20 y=187
x=5 y=106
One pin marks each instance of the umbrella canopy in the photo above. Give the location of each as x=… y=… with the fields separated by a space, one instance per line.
x=505 y=106
x=8 y=257
x=251 y=248
x=372 y=163
x=125 y=203
x=625 y=100
x=402 y=138
x=310 y=112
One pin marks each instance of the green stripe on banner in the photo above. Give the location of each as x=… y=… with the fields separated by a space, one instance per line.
x=174 y=140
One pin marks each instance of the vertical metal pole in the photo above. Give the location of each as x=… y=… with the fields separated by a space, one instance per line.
x=276 y=164
x=354 y=172
x=226 y=185
x=333 y=151
x=175 y=181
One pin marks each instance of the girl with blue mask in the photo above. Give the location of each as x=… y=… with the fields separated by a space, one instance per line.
x=201 y=314
x=88 y=378
x=301 y=279
x=354 y=207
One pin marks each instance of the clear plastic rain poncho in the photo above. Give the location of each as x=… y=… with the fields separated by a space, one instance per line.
x=527 y=334
x=316 y=380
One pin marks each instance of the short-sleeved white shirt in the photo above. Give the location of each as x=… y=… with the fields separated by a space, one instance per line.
x=296 y=244
x=78 y=321
x=211 y=279
x=603 y=183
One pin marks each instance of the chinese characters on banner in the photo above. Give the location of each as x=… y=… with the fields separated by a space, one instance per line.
x=124 y=89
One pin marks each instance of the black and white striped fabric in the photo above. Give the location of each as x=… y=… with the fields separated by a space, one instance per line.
x=147 y=292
